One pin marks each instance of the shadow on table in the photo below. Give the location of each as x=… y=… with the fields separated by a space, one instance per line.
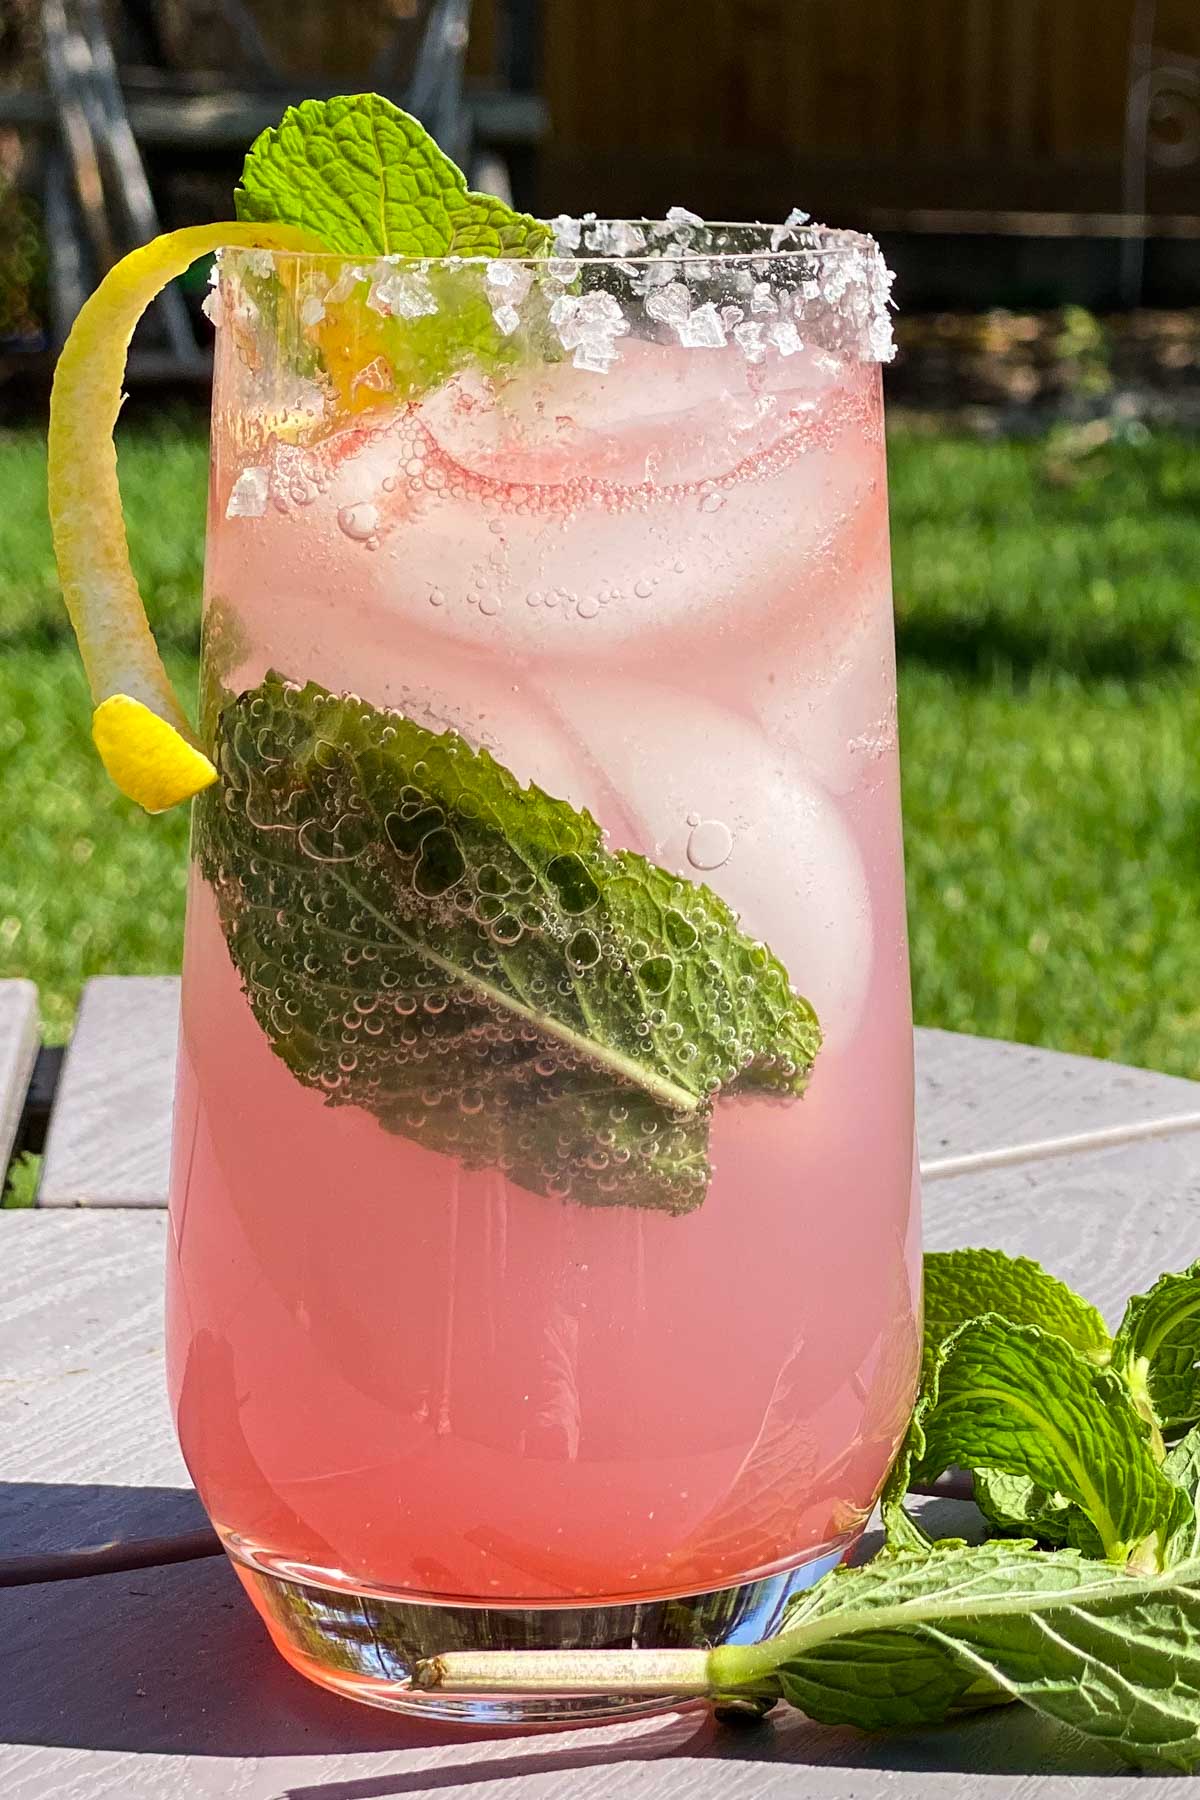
x=174 y=1661
x=45 y=1518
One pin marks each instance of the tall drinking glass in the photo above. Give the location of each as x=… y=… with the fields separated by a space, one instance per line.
x=543 y=1262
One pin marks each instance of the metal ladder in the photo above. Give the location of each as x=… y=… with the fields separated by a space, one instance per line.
x=97 y=198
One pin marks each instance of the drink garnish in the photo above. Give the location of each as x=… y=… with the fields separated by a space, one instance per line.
x=366 y=179
x=420 y=935
x=353 y=174
x=1104 y=1640
x=140 y=727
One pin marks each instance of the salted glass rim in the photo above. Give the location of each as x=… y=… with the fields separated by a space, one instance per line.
x=810 y=241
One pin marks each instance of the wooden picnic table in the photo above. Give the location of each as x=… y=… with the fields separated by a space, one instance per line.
x=158 y=1682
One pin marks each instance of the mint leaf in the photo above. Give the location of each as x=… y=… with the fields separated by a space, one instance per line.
x=1020 y=1400
x=1182 y=1466
x=912 y=1639
x=367 y=178
x=1157 y=1349
x=420 y=935
x=963 y=1284
x=1016 y=1506
x=900 y=1529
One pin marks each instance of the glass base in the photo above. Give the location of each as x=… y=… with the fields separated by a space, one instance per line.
x=366 y=1643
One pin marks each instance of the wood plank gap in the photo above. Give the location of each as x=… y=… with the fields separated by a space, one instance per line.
x=941 y=1168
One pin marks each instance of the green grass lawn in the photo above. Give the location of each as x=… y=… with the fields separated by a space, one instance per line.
x=1049 y=618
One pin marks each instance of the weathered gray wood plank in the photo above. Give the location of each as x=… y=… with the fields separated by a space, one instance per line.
x=87 y=1448
x=162 y=1683
x=1108 y=1220
x=109 y=1141
x=978 y=1097
x=18 y=1050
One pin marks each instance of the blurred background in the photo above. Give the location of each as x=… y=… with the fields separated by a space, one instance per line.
x=1033 y=170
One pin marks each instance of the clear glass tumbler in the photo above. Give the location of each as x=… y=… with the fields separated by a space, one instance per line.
x=544 y=1240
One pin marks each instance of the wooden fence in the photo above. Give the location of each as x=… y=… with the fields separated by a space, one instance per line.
x=877 y=103
x=854 y=107
x=863 y=105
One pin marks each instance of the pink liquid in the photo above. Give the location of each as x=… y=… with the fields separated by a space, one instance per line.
x=663 y=594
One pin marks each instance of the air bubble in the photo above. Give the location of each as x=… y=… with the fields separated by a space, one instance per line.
x=359 y=522
x=655 y=974
x=577 y=892
x=584 y=949
x=710 y=843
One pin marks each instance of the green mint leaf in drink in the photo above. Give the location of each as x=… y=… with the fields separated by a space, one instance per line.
x=1023 y=1401
x=963 y=1284
x=913 y=1639
x=420 y=935
x=1157 y=1349
x=367 y=179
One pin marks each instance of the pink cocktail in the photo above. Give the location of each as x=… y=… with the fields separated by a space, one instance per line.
x=496 y=1317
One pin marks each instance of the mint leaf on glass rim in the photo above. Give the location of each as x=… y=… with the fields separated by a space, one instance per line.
x=420 y=935
x=367 y=179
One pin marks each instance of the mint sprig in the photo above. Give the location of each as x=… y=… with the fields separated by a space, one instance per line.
x=1104 y=1638
x=367 y=179
x=420 y=935
x=912 y=1640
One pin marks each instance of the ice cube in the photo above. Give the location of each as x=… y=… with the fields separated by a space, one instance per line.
x=707 y=794
x=676 y=501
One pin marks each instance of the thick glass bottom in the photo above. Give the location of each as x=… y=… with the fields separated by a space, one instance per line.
x=366 y=1644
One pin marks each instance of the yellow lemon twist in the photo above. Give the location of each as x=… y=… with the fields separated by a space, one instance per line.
x=139 y=726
